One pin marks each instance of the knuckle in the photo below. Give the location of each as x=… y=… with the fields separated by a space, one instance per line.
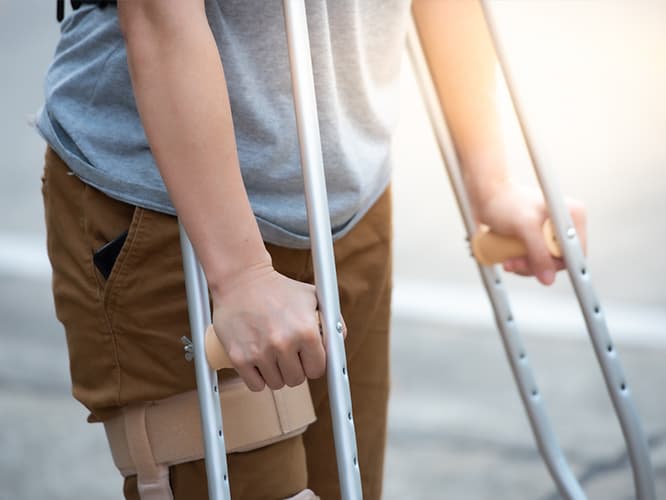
x=237 y=358
x=280 y=343
x=254 y=354
x=311 y=341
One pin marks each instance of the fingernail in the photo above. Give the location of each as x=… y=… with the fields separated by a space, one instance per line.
x=547 y=277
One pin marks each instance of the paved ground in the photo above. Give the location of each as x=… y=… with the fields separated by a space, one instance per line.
x=457 y=429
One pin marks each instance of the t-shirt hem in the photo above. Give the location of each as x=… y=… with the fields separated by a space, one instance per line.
x=159 y=201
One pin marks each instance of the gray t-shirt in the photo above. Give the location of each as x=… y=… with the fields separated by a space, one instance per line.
x=90 y=116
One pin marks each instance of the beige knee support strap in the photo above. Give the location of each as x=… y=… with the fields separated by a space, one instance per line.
x=147 y=438
x=153 y=481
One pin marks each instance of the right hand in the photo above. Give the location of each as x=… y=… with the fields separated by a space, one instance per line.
x=269 y=327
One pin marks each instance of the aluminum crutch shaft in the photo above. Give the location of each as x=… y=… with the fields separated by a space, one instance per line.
x=579 y=273
x=516 y=354
x=545 y=437
x=322 y=247
x=198 y=307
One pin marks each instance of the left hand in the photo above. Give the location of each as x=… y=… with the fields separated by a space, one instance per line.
x=519 y=211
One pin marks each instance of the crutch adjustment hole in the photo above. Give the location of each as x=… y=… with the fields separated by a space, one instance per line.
x=225 y=478
x=623 y=386
x=509 y=318
x=583 y=271
x=349 y=416
x=215 y=388
x=498 y=281
x=522 y=355
x=354 y=459
x=535 y=392
x=344 y=370
x=597 y=309
x=219 y=432
x=609 y=347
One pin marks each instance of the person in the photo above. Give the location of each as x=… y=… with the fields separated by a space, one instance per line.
x=159 y=107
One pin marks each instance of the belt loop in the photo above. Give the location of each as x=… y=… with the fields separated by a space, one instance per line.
x=152 y=479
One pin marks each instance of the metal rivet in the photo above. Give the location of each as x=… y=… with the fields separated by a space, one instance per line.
x=571 y=232
x=338 y=327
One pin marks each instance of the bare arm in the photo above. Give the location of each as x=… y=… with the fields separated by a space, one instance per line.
x=464 y=67
x=263 y=319
x=181 y=94
x=463 y=62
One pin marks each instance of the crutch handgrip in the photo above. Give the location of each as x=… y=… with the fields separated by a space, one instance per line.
x=215 y=354
x=492 y=248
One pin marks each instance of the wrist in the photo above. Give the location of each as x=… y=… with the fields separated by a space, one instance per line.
x=484 y=192
x=232 y=273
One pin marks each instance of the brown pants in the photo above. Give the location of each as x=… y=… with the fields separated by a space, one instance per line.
x=123 y=333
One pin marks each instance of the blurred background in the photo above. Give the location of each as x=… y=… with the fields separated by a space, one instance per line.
x=592 y=75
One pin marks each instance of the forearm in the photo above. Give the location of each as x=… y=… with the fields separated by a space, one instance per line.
x=464 y=67
x=181 y=96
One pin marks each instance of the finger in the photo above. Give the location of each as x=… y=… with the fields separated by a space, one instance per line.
x=313 y=356
x=517 y=265
x=559 y=264
x=508 y=265
x=271 y=374
x=522 y=267
x=291 y=370
x=540 y=260
x=525 y=273
x=252 y=378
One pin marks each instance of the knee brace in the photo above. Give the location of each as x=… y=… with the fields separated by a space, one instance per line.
x=148 y=437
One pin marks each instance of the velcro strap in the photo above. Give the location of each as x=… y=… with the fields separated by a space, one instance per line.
x=251 y=420
x=153 y=479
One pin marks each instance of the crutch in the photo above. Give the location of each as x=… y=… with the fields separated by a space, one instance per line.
x=325 y=282
x=579 y=274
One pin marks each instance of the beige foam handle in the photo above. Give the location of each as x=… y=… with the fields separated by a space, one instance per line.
x=491 y=248
x=215 y=354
